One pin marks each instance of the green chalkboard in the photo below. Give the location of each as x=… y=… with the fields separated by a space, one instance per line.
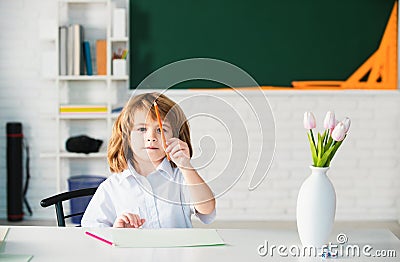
x=276 y=42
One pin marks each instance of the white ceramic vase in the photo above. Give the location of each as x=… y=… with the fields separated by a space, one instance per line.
x=316 y=207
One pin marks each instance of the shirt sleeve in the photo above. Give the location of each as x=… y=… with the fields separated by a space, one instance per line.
x=100 y=211
x=205 y=218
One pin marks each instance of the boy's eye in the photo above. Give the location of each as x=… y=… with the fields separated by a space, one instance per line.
x=159 y=130
x=142 y=129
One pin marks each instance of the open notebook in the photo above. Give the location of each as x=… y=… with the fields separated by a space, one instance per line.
x=164 y=237
x=15 y=258
x=10 y=257
x=3 y=234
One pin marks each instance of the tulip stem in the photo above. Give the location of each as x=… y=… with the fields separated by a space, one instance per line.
x=326 y=135
x=313 y=149
x=312 y=137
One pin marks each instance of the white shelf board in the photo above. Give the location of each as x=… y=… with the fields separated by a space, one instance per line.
x=92 y=78
x=119 y=39
x=83 y=116
x=84 y=1
x=83 y=78
x=119 y=77
x=74 y=155
x=81 y=155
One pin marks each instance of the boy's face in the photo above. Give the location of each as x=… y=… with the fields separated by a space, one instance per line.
x=146 y=141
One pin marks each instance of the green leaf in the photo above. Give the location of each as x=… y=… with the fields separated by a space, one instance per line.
x=313 y=150
x=322 y=161
x=336 y=147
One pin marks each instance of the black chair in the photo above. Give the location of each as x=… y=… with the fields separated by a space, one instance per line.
x=57 y=200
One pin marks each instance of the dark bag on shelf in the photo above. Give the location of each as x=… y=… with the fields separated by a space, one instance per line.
x=83 y=144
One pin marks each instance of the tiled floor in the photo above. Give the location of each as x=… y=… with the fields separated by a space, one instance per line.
x=394 y=226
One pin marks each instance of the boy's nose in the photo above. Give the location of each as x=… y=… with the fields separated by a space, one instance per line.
x=151 y=135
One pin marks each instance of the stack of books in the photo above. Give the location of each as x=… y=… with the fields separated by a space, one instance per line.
x=75 y=110
x=74 y=53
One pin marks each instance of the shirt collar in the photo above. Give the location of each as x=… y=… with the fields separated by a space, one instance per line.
x=164 y=166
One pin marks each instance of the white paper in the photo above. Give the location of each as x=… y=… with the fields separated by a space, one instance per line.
x=15 y=258
x=3 y=233
x=164 y=237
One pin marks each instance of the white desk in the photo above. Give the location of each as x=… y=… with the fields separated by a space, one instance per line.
x=71 y=244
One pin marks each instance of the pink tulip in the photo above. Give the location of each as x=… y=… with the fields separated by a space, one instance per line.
x=309 y=121
x=330 y=121
x=339 y=132
x=346 y=121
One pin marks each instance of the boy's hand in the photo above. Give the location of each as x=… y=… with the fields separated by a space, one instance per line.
x=129 y=220
x=179 y=152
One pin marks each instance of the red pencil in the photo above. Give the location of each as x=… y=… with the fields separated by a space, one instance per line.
x=99 y=238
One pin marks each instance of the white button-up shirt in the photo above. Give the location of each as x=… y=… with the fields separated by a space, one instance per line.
x=161 y=198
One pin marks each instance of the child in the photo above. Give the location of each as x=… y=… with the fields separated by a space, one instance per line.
x=146 y=190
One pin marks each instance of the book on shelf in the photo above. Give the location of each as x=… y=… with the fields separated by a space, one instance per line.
x=78 y=50
x=117 y=110
x=71 y=50
x=101 y=57
x=88 y=58
x=63 y=50
x=83 y=109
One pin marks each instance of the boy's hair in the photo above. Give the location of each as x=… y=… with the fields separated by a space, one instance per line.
x=119 y=146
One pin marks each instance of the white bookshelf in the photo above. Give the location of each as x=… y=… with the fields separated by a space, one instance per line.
x=96 y=19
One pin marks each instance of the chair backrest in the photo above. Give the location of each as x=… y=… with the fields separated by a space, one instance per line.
x=57 y=200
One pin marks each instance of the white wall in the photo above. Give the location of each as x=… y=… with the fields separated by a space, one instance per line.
x=365 y=171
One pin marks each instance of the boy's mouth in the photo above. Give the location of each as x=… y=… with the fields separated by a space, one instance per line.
x=151 y=147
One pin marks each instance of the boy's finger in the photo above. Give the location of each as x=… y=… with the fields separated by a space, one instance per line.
x=171 y=146
x=137 y=220
x=170 y=140
x=125 y=219
x=178 y=154
x=131 y=219
x=176 y=149
x=141 y=221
